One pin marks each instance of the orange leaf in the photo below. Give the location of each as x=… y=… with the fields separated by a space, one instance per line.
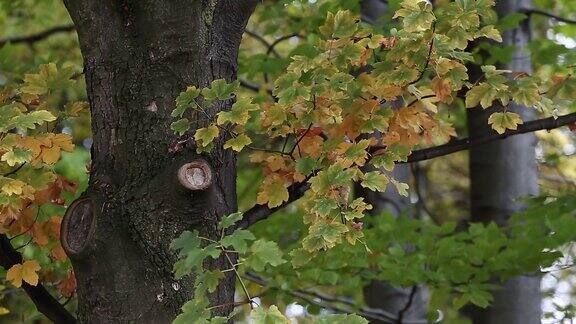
x=67 y=286
x=27 y=272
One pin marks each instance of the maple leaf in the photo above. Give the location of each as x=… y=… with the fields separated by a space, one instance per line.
x=442 y=88
x=272 y=192
x=220 y=90
x=264 y=253
x=67 y=286
x=58 y=253
x=271 y=315
x=27 y=272
x=205 y=136
x=237 y=143
x=501 y=121
x=375 y=181
x=180 y=126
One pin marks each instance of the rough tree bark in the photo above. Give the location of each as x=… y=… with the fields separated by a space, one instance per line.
x=138 y=56
x=502 y=172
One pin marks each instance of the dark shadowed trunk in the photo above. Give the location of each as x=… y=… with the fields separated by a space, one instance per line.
x=138 y=56
x=502 y=172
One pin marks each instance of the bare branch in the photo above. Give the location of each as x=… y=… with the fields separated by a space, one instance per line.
x=253 y=86
x=45 y=303
x=263 y=41
x=406 y=307
x=32 y=38
x=466 y=143
x=532 y=11
x=337 y=304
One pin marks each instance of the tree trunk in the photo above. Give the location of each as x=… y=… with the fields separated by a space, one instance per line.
x=502 y=172
x=407 y=304
x=138 y=56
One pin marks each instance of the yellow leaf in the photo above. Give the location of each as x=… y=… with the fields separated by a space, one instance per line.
x=238 y=143
x=51 y=155
x=13 y=187
x=27 y=272
x=273 y=192
x=62 y=140
x=4 y=311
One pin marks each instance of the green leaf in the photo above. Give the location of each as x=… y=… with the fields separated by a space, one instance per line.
x=417 y=15
x=323 y=235
x=501 y=121
x=239 y=114
x=220 y=90
x=482 y=94
x=47 y=79
x=339 y=25
x=238 y=240
x=271 y=315
x=490 y=32
x=194 y=311
x=324 y=205
x=230 y=220
x=188 y=244
x=340 y=319
x=526 y=92
x=210 y=279
x=180 y=126
x=32 y=119
x=305 y=165
x=205 y=136
x=16 y=156
x=264 y=253
x=238 y=143
x=401 y=187
x=185 y=100
x=375 y=181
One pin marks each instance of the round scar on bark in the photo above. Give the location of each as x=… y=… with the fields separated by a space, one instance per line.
x=195 y=175
x=77 y=226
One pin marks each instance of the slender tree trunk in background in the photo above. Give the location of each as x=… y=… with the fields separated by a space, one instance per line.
x=502 y=172
x=138 y=56
x=405 y=303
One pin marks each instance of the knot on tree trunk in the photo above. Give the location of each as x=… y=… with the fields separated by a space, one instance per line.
x=195 y=175
x=78 y=227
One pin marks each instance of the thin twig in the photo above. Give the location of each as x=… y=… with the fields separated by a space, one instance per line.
x=238 y=276
x=32 y=38
x=15 y=170
x=533 y=11
x=406 y=307
x=263 y=41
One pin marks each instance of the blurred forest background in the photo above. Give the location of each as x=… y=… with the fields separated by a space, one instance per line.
x=37 y=32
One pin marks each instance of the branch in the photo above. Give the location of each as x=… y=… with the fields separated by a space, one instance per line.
x=406 y=307
x=261 y=212
x=253 y=86
x=45 y=303
x=269 y=47
x=532 y=11
x=466 y=143
x=29 y=39
x=328 y=302
x=297 y=190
